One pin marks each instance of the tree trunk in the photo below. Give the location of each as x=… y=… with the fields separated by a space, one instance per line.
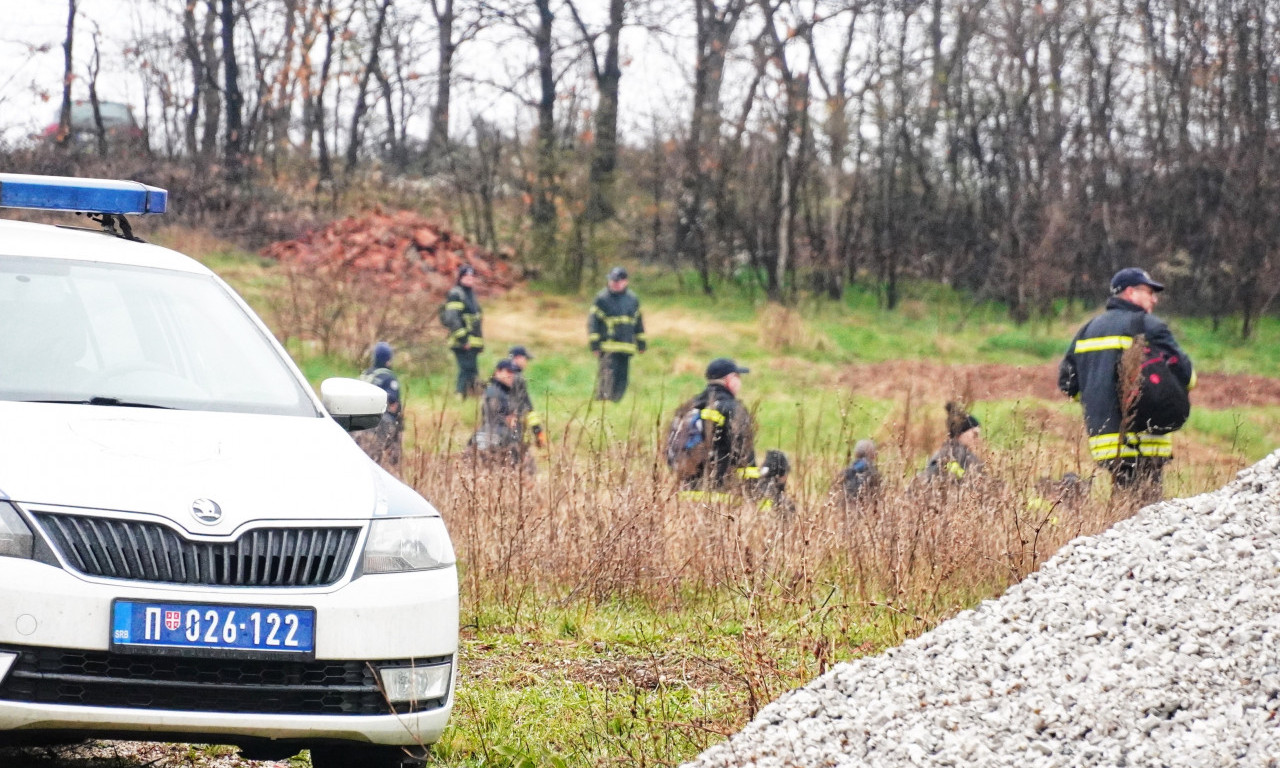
x=362 y=104
x=543 y=206
x=235 y=100
x=438 y=132
x=68 y=76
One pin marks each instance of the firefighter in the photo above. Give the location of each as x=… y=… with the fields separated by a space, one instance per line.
x=382 y=443
x=461 y=315
x=861 y=479
x=615 y=332
x=497 y=440
x=529 y=418
x=1089 y=372
x=958 y=459
x=725 y=434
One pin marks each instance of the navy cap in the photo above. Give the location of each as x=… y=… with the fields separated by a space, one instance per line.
x=723 y=366
x=466 y=269
x=617 y=273
x=506 y=365
x=519 y=351
x=382 y=352
x=1131 y=276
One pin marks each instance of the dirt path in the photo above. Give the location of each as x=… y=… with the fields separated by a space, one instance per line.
x=933 y=381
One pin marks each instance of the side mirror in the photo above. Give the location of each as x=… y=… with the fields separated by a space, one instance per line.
x=354 y=404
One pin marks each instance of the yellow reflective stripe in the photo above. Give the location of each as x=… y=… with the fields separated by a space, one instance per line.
x=476 y=342
x=713 y=416
x=598 y=312
x=1105 y=447
x=749 y=473
x=955 y=468
x=457 y=305
x=593 y=337
x=532 y=419
x=1100 y=343
x=1192 y=384
x=619 y=346
x=640 y=337
x=459 y=334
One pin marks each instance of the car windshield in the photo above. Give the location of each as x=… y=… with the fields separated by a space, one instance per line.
x=106 y=334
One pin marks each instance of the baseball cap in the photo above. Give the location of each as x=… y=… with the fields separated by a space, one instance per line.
x=382 y=352
x=520 y=351
x=723 y=366
x=617 y=273
x=507 y=365
x=1131 y=276
x=466 y=269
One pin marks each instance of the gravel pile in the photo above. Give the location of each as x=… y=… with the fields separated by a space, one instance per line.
x=1156 y=643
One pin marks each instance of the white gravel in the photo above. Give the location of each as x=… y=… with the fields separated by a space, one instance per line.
x=1156 y=643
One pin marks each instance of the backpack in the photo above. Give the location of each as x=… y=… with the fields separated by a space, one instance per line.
x=689 y=441
x=1152 y=399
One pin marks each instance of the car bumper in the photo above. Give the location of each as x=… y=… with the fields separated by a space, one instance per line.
x=373 y=618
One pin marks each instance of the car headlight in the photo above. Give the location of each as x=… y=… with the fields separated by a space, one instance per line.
x=15 y=536
x=399 y=544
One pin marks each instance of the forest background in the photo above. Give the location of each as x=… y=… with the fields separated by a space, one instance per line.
x=877 y=205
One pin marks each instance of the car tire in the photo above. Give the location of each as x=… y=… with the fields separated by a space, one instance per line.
x=363 y=756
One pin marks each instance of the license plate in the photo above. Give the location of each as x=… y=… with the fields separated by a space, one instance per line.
x=237 y=630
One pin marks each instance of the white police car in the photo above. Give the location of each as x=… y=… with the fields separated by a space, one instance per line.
x=191 y=546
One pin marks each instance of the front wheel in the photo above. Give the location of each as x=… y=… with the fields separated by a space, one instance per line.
x=366 y=756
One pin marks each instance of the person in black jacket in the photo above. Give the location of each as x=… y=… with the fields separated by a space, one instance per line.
x=615 y=332
x=1089 y=373
x=383 y=442
x=730 y=459
x=957 y=460
x=462 y=316
x=497 y=441
x=861 y=479
x=529 y=419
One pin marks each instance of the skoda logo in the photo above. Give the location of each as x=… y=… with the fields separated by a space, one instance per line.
x=206 y=511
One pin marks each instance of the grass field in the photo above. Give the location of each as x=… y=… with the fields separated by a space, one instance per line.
x=605 y=623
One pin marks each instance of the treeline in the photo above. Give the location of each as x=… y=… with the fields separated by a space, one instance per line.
x=1021 y=150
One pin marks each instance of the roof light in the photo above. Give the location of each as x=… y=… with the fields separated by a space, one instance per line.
x=64 y=193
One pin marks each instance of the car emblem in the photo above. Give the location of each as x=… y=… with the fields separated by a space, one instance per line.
x=206 y=511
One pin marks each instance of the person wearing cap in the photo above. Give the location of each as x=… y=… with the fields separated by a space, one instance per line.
x=730 y=461
x=497 y=440
x=529 y=419
x=957 y=459
x=1089 y=372
x=382 y=443
x=462 y=316
x=615 y=332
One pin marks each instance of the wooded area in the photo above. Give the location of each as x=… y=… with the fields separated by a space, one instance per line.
x=1020 y=150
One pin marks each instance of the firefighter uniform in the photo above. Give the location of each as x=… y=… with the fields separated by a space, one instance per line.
x=1089 y=373
x=462 y=317
x=615 y=330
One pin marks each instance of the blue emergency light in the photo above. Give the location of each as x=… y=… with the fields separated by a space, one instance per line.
x=65 y=193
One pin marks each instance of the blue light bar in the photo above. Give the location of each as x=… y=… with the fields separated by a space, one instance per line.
x=65 y=193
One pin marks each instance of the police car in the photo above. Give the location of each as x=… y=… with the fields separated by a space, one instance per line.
x=192 y=548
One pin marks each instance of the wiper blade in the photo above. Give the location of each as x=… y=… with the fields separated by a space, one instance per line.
x=98 y=400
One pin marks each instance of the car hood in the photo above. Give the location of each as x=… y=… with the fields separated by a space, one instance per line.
x=158 y=462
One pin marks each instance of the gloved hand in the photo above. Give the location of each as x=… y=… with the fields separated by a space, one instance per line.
x=776 y=463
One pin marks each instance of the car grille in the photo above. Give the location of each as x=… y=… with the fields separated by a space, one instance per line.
x=133 y=681
x=142 y=551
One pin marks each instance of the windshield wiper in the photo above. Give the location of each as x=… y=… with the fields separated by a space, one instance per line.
x=98 y=400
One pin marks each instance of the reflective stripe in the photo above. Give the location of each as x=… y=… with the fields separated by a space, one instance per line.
x=476 y=342
x=713 y=416
x=458 y=334
x=1135 y=445
x=593 y=337
x=532 y=419
x=455 y=305
x=619 y=346
x=955 y=468
x=598 y=312
x=1101 y=343
x=749 y=473
x=1192 y=384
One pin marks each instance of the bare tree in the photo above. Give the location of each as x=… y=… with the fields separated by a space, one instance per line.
x=68 y=76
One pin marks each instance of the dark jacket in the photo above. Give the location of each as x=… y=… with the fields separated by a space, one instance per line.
x=462 y=317
x=1089 y=373
x=387 y=380
x=527 y=417
x=953 y=462
x=498 y=412
x=732 y=454
x=615 y=324
x=861 y=477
